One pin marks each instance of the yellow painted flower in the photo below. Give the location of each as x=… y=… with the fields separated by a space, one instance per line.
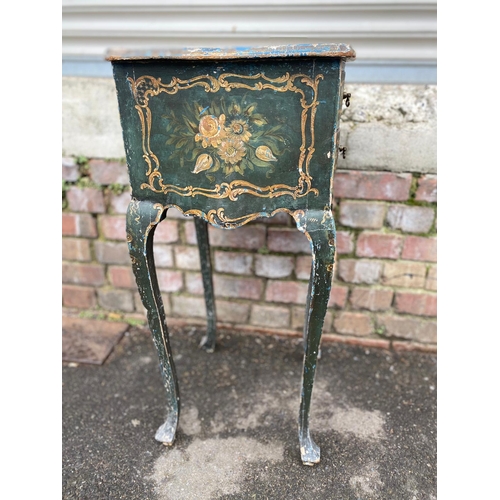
x=264 y=153
x=232 y=150
x=239 y=129
x=203 y=162
x=234 y=108
x=211 y=130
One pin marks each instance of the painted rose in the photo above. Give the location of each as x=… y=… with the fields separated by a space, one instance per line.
x=211 y=130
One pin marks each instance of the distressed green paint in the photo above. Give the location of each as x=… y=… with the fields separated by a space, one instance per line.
x=229 y=136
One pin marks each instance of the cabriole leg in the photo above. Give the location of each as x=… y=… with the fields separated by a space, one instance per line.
x=208 y=341
x=322 y=238
x=142 y=219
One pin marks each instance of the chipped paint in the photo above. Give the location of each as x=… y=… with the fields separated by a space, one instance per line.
x=302 y=73
x=235 y=53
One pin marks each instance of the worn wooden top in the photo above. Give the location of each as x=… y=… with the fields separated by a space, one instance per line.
x=279 y=51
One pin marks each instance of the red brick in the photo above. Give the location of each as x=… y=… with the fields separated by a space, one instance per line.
x=404 y=274
x=187 y=257
x=373 y=299
x=303 y=267
x=118 y=203
x=361 y=214
x=232 y=312
x=420 y=248
x=167 y=231
x=242 y=288
x=273 y=266
x=108 y=172
x=406 y=327
x=344 y=243
x=116 y=300
x=359 y=271
x=419 y=304
x=413 y=346
x=287 y=240
x=270 y=316
x=247 y=237
x=163 y=255
x=76 y=249
x=83 y=274
x=108 y=252
x=287 y=292
x=70 y=170
x=69 y=227
x=410 y=219
x=233 y=262
x=380 y=245
x=79 y=225
x=431 y=280
x=189 y=307
x=338 y=297
x=81 y=297
x=427 y=189
x=353 y=323
x=372 y=185
x=190 y=233
x=113 y=227
x=86 y=200
x=122 y=277
x=169 y=281
x=194 y=283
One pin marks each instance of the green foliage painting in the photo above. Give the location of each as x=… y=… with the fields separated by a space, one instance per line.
x=231 y=136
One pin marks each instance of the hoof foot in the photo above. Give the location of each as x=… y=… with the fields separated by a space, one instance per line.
x=166 y=433
x=309 y=452
x=207 y=344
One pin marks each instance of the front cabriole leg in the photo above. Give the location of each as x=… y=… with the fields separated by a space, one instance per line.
x=319 y=228
x=142 y=219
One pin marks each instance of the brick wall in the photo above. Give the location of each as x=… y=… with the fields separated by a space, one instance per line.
x=384 y=289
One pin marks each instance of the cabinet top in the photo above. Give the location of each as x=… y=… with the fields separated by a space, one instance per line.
x=277 y=51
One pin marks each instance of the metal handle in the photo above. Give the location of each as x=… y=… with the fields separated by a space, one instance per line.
x=347 y=97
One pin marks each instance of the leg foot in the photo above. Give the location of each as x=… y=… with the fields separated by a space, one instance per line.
x=142 y=219
x=208 y=341
x=166 y=432
x=322 y=238
x=309 y=450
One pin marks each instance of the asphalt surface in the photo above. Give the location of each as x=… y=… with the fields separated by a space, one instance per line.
x=374 y=417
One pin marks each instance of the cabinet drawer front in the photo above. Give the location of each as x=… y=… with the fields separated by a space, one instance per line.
x=247 y=136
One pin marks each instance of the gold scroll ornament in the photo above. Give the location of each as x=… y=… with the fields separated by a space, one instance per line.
x=146 y=87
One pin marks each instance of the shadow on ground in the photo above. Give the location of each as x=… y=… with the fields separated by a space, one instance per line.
x=374 y=417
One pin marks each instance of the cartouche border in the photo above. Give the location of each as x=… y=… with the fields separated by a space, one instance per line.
x=147 y=86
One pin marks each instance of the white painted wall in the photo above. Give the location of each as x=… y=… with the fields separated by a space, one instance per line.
x=397 y=35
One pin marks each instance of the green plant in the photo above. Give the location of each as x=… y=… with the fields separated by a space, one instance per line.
x=86 y=182
x=117 y=189
x=135 y=321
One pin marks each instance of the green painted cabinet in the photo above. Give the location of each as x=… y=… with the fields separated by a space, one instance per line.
x=227 y=136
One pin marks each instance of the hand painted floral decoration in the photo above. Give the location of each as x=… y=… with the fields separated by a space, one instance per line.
x=230 y=137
